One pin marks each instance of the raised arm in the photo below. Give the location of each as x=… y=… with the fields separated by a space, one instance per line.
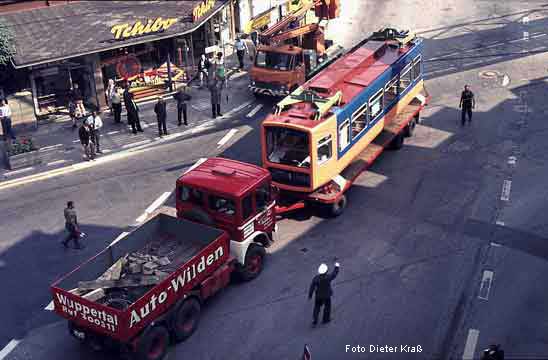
x=335 y=272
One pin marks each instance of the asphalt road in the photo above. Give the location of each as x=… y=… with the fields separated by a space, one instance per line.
x=423 y=226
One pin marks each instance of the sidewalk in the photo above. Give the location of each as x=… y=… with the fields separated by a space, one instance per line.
x=60 y=147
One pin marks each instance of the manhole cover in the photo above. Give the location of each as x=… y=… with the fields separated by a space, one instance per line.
x=488 y=74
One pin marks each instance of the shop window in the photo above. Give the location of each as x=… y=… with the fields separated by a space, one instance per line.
x=359 y=121
x=416 y=68
x=405 y=78
x=222 y=205
x=324 y=149
x=343 y=135
x=262 y=196
x=191 y=195
x=247 y=207
x=390 y=91
x=375 y=105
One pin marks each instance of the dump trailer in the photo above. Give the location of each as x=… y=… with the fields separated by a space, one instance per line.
x=146 y=289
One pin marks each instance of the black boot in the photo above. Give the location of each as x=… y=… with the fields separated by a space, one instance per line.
x=213 y=111
x=219 y=110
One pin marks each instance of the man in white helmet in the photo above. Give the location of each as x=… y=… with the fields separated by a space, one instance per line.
x=321 y=284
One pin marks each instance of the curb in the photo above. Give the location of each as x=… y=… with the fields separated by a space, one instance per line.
x=208 y=125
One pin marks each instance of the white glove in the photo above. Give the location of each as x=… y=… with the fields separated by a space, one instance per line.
x=337 y=264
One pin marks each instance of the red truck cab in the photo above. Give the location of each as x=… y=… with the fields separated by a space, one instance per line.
x=236 y=197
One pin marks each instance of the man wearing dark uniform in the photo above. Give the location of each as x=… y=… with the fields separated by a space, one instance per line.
x=321 y=285
x=467 y=103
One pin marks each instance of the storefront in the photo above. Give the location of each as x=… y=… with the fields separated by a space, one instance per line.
x=153 y=47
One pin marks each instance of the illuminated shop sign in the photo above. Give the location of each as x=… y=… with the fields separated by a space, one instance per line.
x=124 y=31
x=201 y=9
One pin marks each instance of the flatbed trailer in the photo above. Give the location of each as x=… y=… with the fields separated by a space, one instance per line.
x=141 y=313
x=332 y=194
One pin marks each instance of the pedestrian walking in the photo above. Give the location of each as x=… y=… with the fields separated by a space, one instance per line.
x=95 y=124
x=160 y=110
x=116 y=103
x=215 y=88
x=72 y=113
x=5 y=119
x=241 y=49
x=86 y=139
x=132 y=111
x=109 y=92
x=321 y=286
x=71 y=225
x=77 y=97
x=493 y=352
x=467 y=103
x=203 y=67
x=182 y=97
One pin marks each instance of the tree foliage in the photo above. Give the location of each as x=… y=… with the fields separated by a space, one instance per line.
x=7 y=44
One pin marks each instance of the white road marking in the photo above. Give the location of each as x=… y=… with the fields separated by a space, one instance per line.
x=8 y=348
x=57 y=162
x=471 y=343
x=49 y=147
x=75 y=141
x=493 y=45
x=227 y=137
x=136 y=144
x=500 y=223
x=254 y=111
x=485 y=285
x=506 y=187
x=515 y=40
x=14 y=172
x=158 y=202
x=537 y=36
x=196 y=164
x=113 y=132
x=526 y=35
x=120 y=237
x=50 y=307
x=512 y=160
x=238 y=108
x=495 y=244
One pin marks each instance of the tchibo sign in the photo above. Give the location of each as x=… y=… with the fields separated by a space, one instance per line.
x=124 y=31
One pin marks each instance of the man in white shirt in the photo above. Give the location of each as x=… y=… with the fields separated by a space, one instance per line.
x=95 y=123
x=241 y=48
x=5 y=117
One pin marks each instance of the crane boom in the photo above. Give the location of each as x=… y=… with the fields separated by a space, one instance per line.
x=293 y=33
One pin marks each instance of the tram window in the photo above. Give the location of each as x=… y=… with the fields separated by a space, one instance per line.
x=343 y=135
x=324 y=149
x=405 y=78
x=390 y=91
x=359 y=120
x=375 y=105
x=417 y=68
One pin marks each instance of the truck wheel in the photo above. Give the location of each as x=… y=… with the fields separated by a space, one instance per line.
x=410 y=128
x=186 y=319
x=337 y=208
x=397 y=142
x=153 y=344
x=254 y=260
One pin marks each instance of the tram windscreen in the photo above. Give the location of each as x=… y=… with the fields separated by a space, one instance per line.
x=273 y=60
x=287 y=147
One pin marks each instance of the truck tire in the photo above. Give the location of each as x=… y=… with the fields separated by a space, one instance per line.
x=397 y=142
x=186 y=319
x=410 y=128
x=153 y=343
x=254 y=260
x=337 y=208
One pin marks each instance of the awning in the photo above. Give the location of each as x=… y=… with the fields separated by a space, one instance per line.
x=65 y=31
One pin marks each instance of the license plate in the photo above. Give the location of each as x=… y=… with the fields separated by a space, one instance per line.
x=79 y=334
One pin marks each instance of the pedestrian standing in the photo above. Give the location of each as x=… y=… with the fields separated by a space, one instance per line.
x=108 y=94
x=132 y=111
x=72 y=113
x=71 y=225
x=5 y=119
x=116 y=102
x=86 y=140
x=215 y=87
x=95 y=124
x=467 y=103
x=77 y=97
x=241 y=49
x=203 y=66
x=321 y=286
x=182 y=97
x=160 y=110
